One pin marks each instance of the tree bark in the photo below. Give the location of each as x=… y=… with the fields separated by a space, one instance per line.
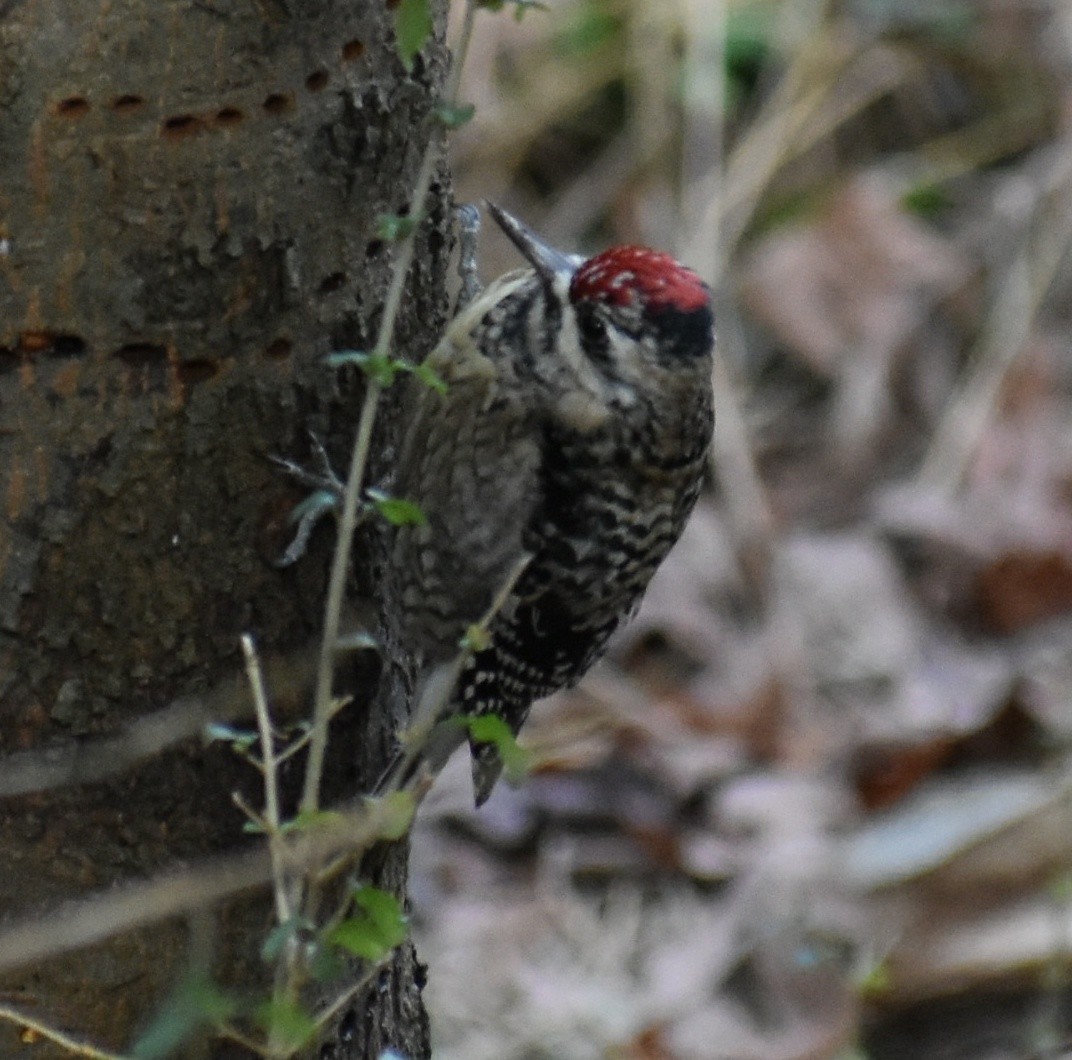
x=188 y=204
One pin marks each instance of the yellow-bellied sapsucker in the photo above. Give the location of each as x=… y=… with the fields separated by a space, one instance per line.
x=573 y=432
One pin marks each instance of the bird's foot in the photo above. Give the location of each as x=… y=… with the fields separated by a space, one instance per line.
x=468 y=219
x=327 y=494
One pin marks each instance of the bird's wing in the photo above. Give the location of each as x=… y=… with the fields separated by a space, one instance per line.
x=470 y=459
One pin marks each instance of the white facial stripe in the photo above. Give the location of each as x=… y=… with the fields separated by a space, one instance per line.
x=628 y=363
x=573 y=361
x=474 y=312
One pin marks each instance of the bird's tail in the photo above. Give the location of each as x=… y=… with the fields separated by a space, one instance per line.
x=487 y=768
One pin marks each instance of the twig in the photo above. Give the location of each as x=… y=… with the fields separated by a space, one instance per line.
x=149 y=736
x=1004 y=337
x=248 y=812
x=89 y=920
x=273 y=821
x=72 y=1045
x=359 y=458
x=335 y=1007
x=430 y=709
x=732 y=459
x=225 y=1030
x=100 y=916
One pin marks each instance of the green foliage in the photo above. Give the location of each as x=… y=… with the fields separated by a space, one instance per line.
x=396 y=511
x=280 y=935
x=750 y=30
x=490 y=728
x=425 y=373
x=307 y=820
x=590 y=27
x=304 y=822
x=455 y=115
x=285 y=1023
x=413 y=27
x=196 y=1003
x=874 y=981
x=394 y=227
x=926 y=200
x=384 y=370
x=476 y=638
x=377 y=926
x=395 y=814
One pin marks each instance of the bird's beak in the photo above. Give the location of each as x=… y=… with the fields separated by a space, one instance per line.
x=547 y=261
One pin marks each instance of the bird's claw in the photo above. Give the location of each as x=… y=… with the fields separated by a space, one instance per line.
x=327 y=493
x=467 y=217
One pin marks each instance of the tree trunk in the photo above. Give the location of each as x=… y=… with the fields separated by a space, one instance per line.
x=188 y=204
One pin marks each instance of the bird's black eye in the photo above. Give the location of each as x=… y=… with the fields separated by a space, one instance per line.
x=593 y=330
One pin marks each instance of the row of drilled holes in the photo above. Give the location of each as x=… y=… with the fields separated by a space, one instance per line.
x=56 y=344
x=137 y=356
x=276 y=103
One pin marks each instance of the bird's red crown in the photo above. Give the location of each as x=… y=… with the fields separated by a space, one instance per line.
x=618 y=275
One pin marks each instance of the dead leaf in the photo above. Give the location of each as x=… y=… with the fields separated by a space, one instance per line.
x=852 y=283
x=1022 y=587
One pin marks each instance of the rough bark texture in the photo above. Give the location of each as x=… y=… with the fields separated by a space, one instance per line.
x=188 y=203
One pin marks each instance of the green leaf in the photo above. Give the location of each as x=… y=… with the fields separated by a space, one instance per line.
x=476 y=638
x=281 y=934
x=383 y=370
x=927 y=200
x=375 y=366
x=393 y=227
x=751 y=34
x=286 y=1023
x=588 y=28
x=195 y=1003
x=358 y=936
x=396 y=511
x=376 y=928
x=455 y=115
x=326 y=964
x=490 y=728
x=875 y=981
x=413 y=27
x=426 y=374
x=240 y=739
x=385 y=911
x=309 y=819
x=394 y=814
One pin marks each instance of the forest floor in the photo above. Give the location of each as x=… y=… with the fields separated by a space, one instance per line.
x=818 y=800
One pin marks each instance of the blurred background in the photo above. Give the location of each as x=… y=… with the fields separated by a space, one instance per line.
x=818 y=801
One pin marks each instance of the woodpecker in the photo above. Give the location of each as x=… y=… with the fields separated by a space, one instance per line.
x=569 y=445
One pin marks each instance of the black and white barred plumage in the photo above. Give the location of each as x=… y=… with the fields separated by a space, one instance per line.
x=574 y=432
